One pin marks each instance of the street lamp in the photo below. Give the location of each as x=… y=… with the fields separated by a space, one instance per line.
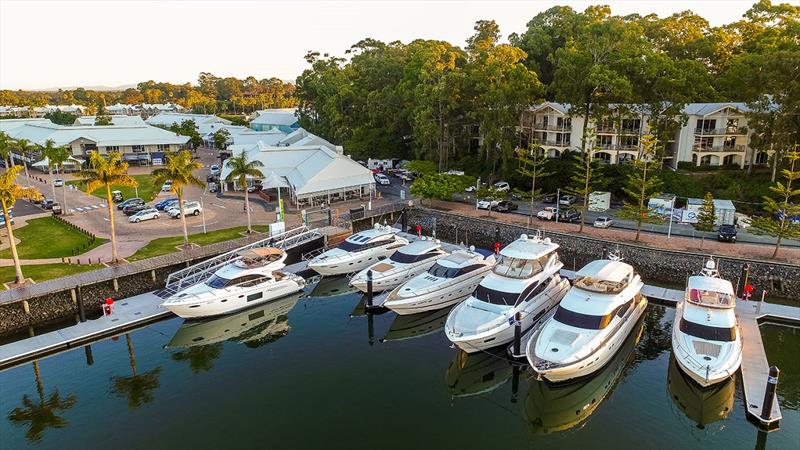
x=671 y=211
x=558 y=203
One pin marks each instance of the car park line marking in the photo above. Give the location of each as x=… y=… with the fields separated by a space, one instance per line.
x=80 y=209
x=218 y=205
x=94 y=207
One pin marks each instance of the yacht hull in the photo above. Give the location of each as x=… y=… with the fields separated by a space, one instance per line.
x=230 y=302
x=381 y=282
x=353 y=263
x=435 y=300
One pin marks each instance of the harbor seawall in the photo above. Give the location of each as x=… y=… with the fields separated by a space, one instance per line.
x=666 y=266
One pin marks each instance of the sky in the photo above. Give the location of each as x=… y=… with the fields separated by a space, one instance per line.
x=47 y=44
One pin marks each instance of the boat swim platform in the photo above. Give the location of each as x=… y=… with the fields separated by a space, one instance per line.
x=127 y=314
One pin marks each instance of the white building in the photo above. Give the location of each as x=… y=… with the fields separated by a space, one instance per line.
x=204 y=123
x=284 y=119
x=115 y=120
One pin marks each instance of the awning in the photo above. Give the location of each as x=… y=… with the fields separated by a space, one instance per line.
x=274 y=181
x=46 y=162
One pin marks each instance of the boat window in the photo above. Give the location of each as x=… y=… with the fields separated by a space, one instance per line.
x=255 y=296
x=710 y=298
x=469 y=269
x=497 y=297
x=708 y=332
x=441 y=271
x=249 y=280
x=519 y=268
x=580 y=320
x=407 y=259
x=534 y=289
x=350 y=246
x=217 y=282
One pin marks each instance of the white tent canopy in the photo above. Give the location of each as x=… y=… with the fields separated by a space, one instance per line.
x=273 y=181
x=46 y=162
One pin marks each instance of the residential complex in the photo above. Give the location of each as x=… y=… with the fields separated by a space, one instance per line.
x=204 y=123
x=714 y=134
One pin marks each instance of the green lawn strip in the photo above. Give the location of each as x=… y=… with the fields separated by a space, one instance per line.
x=44 y=272
x=46 y=237
x=147 y=191
x=162 y=246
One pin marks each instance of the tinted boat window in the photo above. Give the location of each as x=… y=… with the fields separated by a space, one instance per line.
x=441 y=271
x=350 y=246
x=406 y=259
x=708 y=332
x=580 y=320
x=217 y=282
x=497 y=297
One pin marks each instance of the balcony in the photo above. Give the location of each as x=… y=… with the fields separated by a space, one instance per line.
x=605 y=129
x=719 y=148
x=629 y=131
x=721 y=131
x=550 y=143
x=552 y=127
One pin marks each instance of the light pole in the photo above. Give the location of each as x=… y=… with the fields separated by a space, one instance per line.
x=558 y=203
x=203 y=213
x=671 y=211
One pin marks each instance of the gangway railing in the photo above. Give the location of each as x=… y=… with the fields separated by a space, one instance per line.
x=197 y=273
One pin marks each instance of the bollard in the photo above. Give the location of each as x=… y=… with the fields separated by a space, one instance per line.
x=369 y=289
x=404 y=221
x=79 y=300
x=769 y=392
x=517 y=333
x=605 y=252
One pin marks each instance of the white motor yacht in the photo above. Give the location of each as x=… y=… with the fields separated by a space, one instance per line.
x=525 y=280
x=358 y=251
x=407 y=262
x=450 y=280
x=254 y=277
x=705 y=336
x=591 y=323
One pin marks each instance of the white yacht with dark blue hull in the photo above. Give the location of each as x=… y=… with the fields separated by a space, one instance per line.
x=358 y=251
x=524 y=281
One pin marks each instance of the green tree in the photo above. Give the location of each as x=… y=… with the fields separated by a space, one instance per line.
x=533 y=165
x=55 y=156
x=138 y=387
x=179 y=169
x=438 y=186
x=6 y=143
x=490 y=194
x=221 y=138
x=421 y=167
x=107 y=172
x=586 y=177
x=241 y=170
x=44 y=414
x=707 y=216
x=781 y=221
x=642 y=184
x=201 y=358
x=61 y=118
x=10 y=192
x=25 y=147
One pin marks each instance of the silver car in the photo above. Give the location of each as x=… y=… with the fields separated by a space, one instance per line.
x=189 y=208
x=603 y=222
x=145 y=214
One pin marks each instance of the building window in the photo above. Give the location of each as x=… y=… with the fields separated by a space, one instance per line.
x=706 y=125
x=112 y=148
x=137 y=148
x=631 y=125
x=163 y=147
x=629 y=142
x=762 y=158
x=604 y=141
x=733 y=125
x=730 y=143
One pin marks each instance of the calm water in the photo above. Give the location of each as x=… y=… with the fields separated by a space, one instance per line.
x=303 y=373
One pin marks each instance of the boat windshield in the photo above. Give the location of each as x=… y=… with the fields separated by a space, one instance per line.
x=217 y=282
x=403 y=258
x=592 y=284
x=710 y=298
x=708 y=332
x=519 y=268
x=589 y=321
x=350 y=246
x=496 y=297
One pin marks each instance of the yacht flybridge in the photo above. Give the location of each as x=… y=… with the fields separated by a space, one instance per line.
x=358 y=251
x=253 y=277
x=448 y=281
x=705 y=336
x=525 y=280
x=591 y=323
x=407 y=262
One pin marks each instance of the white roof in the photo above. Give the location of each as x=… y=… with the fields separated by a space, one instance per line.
x=115 y=120
x=710 y=284
x=606 y=270
x=563 y=108
x=9 y=125
x=704 y=109
x=102 y=136
x=719 y=204
x=270 y=137
x=282 y=116
x=168 y=118
x=44 y=162
x=529 y=247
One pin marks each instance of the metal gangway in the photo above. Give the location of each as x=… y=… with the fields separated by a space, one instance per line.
x=197 y=273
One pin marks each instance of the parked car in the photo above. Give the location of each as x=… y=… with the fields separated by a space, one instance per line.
x=189 y=208
x=487 y=204
x=213 y=187
x=382 y=179
x=567 y=200
x=133 y=209
x=116 y=196
x=505 y=206
x=58 y=182
x=726 y=233
x=215 y=169
x=569 y=216
x=145 y=214
x=548 y=213
x=167 y=186
x=57 y=209
x=502 y=186
x=549 y=198
x=130 y=202
x=48 y=203
x=163 y=203
x=471 y=189
x=3 y=219
x=603 y=222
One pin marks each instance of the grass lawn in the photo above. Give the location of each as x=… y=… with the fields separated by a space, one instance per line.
x=147 y=191
x=162 y=246
x=46 y=271
x=46 y=237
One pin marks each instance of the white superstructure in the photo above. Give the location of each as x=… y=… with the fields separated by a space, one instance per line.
x=450 y=280
x=407 y=262
x=590 y=324
x=525 y=281
x=252 y=278
x=705 y=336
x=358 y=251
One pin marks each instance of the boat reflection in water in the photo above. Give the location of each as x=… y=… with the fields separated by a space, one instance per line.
x=416 y=325
x=702 y=406
x=253 y=327
x=332 y=287
x=559 y=407
x=477 y=373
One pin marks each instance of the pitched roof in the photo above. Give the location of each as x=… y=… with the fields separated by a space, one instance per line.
x=102 y=136
x=282 y=116
x=168 y=118
x=115 y=120
x=704 y=109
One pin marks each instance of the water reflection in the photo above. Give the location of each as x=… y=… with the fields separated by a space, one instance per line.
x=657 y=336
x=42 y=413
x=477 y=373
x=253 y=327
x=416 y=325
x=702 y=406
x=332 y=287
x=558 y=407
x=138 y=387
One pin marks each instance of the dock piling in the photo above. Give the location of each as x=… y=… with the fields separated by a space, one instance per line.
x=79 y=300
x=517 y=333
x=769 y=393
x=369 y=289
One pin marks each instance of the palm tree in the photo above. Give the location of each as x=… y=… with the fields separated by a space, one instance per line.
x=179 y=169
x=10 y=191
x=55 y=157
x=201 y=358
x=24 y=147
x=111 y=171
x=5 y=149
x=241 y=168
x=59 y=156
x=137 y=388
x=44 y=414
